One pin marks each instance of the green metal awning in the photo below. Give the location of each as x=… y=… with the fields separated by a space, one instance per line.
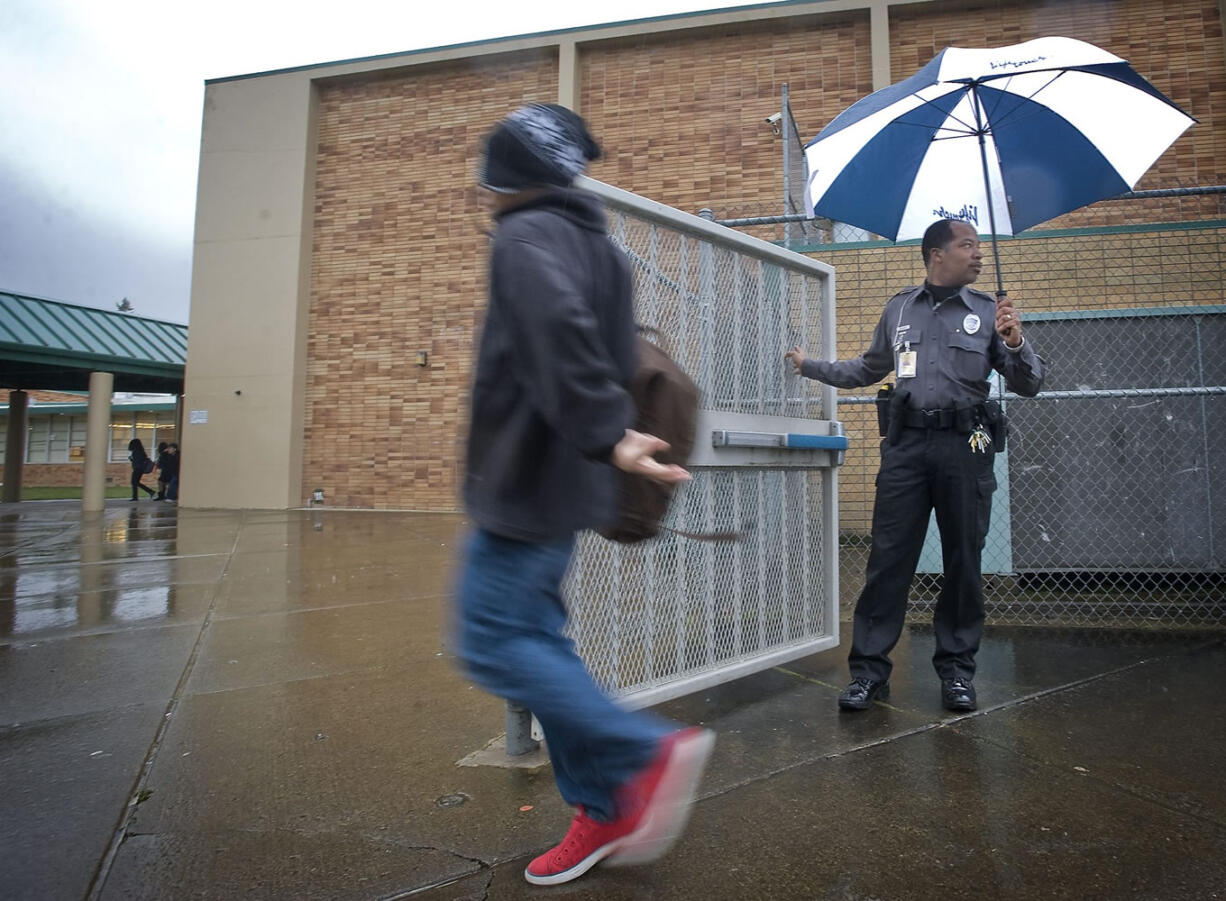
x=54 y=346
x=64 y=409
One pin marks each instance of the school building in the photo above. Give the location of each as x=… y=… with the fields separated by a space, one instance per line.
x=53 y=454
x=80 y=384
x=339 y=264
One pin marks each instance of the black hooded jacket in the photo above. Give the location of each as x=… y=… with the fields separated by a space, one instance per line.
x=557 y=349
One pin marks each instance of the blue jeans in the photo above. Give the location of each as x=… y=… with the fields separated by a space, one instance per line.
x=509 y=636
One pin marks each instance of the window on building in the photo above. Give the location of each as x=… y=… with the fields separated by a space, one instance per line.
x=164 y=427
x=145 y=427
x=39 y=432
x=121 y=434
x=57 y=441
x=61 y=438
x=76 y=439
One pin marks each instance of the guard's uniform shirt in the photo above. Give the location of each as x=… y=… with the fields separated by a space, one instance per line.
x=956 y=348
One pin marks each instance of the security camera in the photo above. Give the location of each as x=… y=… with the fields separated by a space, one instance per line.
x=774 y=118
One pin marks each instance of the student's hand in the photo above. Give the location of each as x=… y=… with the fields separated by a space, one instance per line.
x=1008 y=323
x=635 y=453
x=797 y=356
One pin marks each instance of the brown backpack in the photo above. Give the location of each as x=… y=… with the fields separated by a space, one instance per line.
x=667 y=403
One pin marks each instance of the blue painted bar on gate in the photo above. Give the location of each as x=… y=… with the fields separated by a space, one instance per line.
x=778 y=440
x=819 y=442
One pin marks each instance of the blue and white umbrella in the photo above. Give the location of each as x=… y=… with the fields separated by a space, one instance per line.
x=1050 y=125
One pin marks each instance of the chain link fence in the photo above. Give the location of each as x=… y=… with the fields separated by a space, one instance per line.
x=672 y=615
x=1111 y=506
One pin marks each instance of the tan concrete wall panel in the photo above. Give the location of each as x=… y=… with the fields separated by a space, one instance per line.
x=248 y=295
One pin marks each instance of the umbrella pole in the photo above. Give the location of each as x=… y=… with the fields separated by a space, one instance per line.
x=987 y=183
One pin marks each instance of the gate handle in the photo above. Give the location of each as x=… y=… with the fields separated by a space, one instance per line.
x=784 y=440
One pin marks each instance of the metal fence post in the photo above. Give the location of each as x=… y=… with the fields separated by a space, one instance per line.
x=785 y=130
x=519 y=731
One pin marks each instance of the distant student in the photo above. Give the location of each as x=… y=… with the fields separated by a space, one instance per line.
x=173 y=462
x=163 y=476
x=141 y=464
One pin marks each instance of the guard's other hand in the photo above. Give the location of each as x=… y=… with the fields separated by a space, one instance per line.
x=1008 y=323
x=797 y=357
x=635 y=453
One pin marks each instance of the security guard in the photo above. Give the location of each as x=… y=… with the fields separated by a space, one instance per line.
x=941 y=340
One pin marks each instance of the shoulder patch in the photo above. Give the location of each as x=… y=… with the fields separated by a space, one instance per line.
x=911 y=291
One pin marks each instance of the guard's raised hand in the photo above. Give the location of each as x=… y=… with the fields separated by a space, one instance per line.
x=1008 y=323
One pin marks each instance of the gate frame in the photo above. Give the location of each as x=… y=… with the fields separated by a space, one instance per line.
x=826 y=461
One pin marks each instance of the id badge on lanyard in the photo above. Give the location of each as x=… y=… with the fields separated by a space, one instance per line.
x=906 y=362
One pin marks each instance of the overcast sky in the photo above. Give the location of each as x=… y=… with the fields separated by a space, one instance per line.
x=100 y=118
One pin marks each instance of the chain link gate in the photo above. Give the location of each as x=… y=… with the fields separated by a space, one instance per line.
x=673 y=615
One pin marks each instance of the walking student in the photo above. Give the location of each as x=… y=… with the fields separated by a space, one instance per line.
x=141 y=464
x=550 y=420
x=941 y=340
x=171 y=471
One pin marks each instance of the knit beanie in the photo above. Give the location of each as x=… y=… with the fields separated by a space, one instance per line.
x=539 y=144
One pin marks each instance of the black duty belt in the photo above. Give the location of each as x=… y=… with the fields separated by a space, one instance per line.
x=929 y=419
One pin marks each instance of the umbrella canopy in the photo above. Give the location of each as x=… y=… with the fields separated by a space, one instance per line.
x=1018 y=135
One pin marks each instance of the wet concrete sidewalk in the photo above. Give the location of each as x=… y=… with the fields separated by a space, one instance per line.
x=205 y=704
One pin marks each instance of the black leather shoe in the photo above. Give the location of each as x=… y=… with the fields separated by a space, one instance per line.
x=958 y=695
x=860 y=694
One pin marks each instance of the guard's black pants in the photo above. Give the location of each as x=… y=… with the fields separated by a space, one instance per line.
x=925 y=470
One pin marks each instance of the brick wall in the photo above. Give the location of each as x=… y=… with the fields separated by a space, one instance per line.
x=43 y=475
x=399 y=267
x=682 y=115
